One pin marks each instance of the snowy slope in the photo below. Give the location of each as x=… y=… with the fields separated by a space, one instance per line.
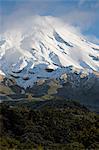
x=27 y=53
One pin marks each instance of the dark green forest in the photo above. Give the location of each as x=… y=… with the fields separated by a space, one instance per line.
x=52 y=125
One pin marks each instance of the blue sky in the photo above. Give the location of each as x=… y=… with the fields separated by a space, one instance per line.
x=81 y=13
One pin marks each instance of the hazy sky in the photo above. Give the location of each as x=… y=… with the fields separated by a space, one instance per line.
x=80 y=13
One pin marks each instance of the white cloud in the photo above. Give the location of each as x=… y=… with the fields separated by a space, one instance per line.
x=93 y=39
x=81 y=18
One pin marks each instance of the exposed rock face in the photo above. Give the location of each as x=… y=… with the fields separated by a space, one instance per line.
x=25 y=78
x=40 y=82
x=70 y=85
x=1 y=78
x=63 y=77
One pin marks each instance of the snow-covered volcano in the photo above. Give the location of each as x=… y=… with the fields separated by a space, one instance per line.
x=45 y=48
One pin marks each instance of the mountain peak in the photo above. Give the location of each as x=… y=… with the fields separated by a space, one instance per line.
x=45 y=43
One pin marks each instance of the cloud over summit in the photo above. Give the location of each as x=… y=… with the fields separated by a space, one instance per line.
x=79 y=13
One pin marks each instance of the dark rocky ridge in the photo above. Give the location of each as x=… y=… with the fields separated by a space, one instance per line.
x=71 y=86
